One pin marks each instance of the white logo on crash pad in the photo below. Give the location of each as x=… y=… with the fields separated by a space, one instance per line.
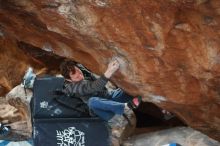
x=70 y=137
x=44 y=104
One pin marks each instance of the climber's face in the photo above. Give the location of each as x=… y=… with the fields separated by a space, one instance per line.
x=77 y=75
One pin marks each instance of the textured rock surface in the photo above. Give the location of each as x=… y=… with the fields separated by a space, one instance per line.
x=20 y=99
x=168 y=50
x=181 y=135
x=15 y=60
x=15 y=112
x=15 y=116
x=121 y=129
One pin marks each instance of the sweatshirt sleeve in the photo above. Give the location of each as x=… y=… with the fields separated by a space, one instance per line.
x=85 y=87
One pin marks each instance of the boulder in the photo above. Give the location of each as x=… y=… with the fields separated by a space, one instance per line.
x=121 y=128
x=15 y=117
x=15 y=112
x=168 y=50
x=184 y=136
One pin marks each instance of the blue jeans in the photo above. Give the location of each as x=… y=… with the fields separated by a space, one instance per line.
x=107 y=108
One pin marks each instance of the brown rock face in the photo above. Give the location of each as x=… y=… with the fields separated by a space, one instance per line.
x=169 y=50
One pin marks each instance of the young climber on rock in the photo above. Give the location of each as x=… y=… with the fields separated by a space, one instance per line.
x=92 y=92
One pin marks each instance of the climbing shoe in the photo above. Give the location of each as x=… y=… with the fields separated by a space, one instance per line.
x=136 y=101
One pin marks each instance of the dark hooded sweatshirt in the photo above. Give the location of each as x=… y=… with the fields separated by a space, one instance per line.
x=80 y=92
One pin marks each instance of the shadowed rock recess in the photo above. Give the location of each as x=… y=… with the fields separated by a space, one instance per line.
x=169 y=50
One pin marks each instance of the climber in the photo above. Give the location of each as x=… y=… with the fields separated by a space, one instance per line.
x=92 y=91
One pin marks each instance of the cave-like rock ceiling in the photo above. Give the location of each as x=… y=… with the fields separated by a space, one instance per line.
x=169 y=50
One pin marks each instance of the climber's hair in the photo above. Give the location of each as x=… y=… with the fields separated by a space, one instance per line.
x=66 y=67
